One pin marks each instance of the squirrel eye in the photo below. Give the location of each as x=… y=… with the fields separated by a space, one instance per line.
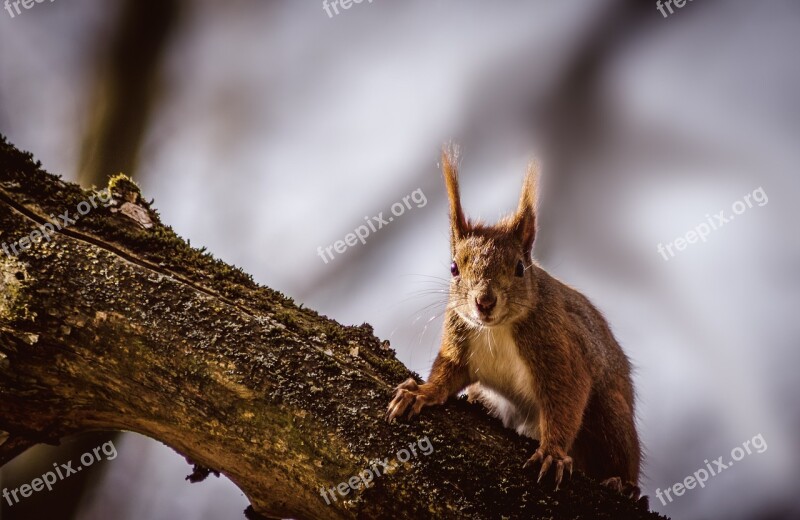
x=454 y=269
x=520 y=269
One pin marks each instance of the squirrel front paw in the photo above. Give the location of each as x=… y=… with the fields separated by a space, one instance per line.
x=408 y=397
x=551 y=457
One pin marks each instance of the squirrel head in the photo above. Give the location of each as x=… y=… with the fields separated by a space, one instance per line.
x=492 y=281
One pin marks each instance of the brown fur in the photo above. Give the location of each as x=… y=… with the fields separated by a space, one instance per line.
x=580 y=377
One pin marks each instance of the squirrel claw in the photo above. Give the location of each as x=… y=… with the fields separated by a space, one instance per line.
x=628 y=489
x=549 y=460
x=408 y=384
x=405 y=398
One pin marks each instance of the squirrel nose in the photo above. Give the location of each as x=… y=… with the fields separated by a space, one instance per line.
x=485 y=303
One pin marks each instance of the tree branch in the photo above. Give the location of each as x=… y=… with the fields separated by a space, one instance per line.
x=115 y=323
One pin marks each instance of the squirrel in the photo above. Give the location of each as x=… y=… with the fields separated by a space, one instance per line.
x=535 y=351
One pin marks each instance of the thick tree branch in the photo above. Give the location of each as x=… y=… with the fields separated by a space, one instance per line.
x=116 y=323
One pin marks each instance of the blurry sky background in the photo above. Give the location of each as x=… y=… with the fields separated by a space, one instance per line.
x=264 y=129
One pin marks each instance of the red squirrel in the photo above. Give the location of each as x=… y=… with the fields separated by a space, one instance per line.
x=535 y=351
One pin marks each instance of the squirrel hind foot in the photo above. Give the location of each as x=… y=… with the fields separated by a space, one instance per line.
x=627 y=489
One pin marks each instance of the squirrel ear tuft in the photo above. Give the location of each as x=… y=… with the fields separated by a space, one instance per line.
x=525 y=218
x=458 y=224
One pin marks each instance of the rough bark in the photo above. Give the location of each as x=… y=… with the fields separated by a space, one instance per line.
x=117 y=324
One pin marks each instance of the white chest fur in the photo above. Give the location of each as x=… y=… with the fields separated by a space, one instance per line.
x=506 y=382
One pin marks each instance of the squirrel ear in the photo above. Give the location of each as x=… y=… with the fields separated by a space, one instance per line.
x=458 y=224
x=524 y=223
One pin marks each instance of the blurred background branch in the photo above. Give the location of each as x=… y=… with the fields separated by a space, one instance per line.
x=126 y=89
